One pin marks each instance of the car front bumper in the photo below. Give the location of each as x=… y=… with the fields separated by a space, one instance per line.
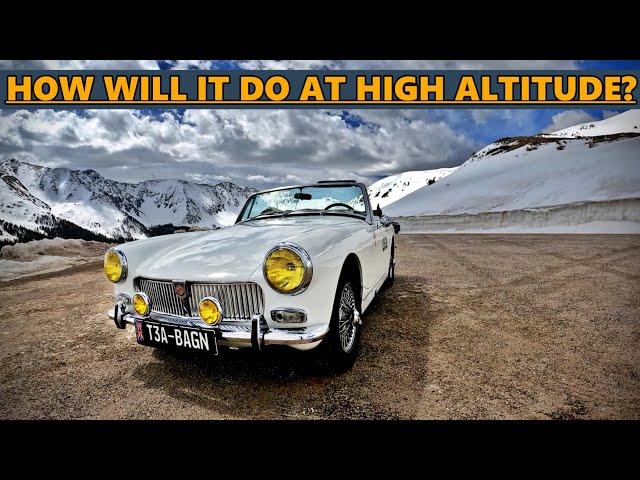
x=256 y=333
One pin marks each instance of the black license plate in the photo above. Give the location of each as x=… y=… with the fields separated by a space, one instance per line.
x=158 y=335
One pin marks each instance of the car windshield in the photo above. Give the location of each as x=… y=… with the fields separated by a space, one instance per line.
x=342 y=200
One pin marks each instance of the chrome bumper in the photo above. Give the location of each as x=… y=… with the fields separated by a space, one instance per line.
x=241 y=334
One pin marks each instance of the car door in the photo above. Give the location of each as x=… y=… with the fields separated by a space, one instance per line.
x=381 y=246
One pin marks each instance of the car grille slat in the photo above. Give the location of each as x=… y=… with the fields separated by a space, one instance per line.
x=232 y=301
x=236 y=303
x=240 y=301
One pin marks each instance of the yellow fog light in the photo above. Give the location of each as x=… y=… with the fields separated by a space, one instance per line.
x=141 y=304
x=210 y=311
x=115 y=265
x=287 y=268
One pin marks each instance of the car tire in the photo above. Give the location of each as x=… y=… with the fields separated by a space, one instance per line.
x=391 y=274
x=342 y=343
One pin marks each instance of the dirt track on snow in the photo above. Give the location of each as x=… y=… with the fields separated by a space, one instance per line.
x=476 y=326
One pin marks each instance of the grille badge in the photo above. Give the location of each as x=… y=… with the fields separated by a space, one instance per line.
x=180 y=288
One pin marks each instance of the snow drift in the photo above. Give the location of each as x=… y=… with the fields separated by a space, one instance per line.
x=627 y=122
x=610 y=216
x=48 y=255
x=540 y=172
x=28 y=251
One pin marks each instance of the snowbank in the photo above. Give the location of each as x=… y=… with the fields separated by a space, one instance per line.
x=520 y=173
x=25 y=252
x=627 y=122
x=532 y=177
x=13 y=269
x=612 y=216
x=44 y=256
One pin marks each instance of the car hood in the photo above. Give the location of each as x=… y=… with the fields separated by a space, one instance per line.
x=234 y=253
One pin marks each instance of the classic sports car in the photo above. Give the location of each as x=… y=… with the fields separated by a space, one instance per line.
x=298 y=268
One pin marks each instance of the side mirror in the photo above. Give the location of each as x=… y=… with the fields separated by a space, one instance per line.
x=396 y=227
x=377 y=212
x=386 y=221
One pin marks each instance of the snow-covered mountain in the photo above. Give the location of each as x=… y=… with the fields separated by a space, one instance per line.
x=580 y=164
x=34 y=197
x=394 y=187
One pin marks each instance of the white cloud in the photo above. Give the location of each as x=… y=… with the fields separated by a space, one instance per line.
x=520 y=118
x=409 y=64
x=568 y=118
x=204 y=178
x=293 y=64
x=266 y=147
x=78 y=65
x=191 y=64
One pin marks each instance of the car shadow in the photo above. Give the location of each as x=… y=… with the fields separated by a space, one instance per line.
x=385 y=381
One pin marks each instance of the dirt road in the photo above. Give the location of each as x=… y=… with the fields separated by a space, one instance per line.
x=476 y=326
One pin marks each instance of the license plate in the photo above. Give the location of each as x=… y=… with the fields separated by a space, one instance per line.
x=157 y=335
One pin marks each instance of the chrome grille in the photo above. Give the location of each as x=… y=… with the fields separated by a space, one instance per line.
x=240 y=301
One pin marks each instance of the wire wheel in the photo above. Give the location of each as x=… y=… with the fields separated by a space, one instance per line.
x=347 y=320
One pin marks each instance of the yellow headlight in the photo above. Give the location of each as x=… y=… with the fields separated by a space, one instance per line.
x=210 y=310
x=115 y=265
x=288 y=269
x=141 y=304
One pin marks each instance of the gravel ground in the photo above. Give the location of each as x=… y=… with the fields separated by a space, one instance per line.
x=476 y=326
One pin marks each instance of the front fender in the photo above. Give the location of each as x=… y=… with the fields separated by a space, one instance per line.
x=317 y=300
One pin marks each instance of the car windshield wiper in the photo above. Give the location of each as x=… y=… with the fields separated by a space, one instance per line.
x=286 y=212
x=321 y=212
x=270 y=215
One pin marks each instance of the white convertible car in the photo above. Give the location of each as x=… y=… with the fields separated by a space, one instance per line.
x=298 y=268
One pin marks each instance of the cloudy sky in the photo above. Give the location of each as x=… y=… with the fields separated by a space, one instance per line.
x=272 y=147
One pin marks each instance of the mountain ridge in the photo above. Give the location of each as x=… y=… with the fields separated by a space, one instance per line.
x=394 y=187
x=32 y=196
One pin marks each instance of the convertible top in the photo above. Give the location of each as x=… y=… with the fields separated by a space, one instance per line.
x=339 y=182
x=323 y=183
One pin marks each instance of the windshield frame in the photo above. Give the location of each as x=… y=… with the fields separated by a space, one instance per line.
x=368 y=217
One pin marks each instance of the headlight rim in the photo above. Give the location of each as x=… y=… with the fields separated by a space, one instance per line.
x=147 y=301
x=306 y=261
x=123 y=264
x=217 y=304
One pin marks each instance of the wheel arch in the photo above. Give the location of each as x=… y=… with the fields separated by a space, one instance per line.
x=353 y=266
